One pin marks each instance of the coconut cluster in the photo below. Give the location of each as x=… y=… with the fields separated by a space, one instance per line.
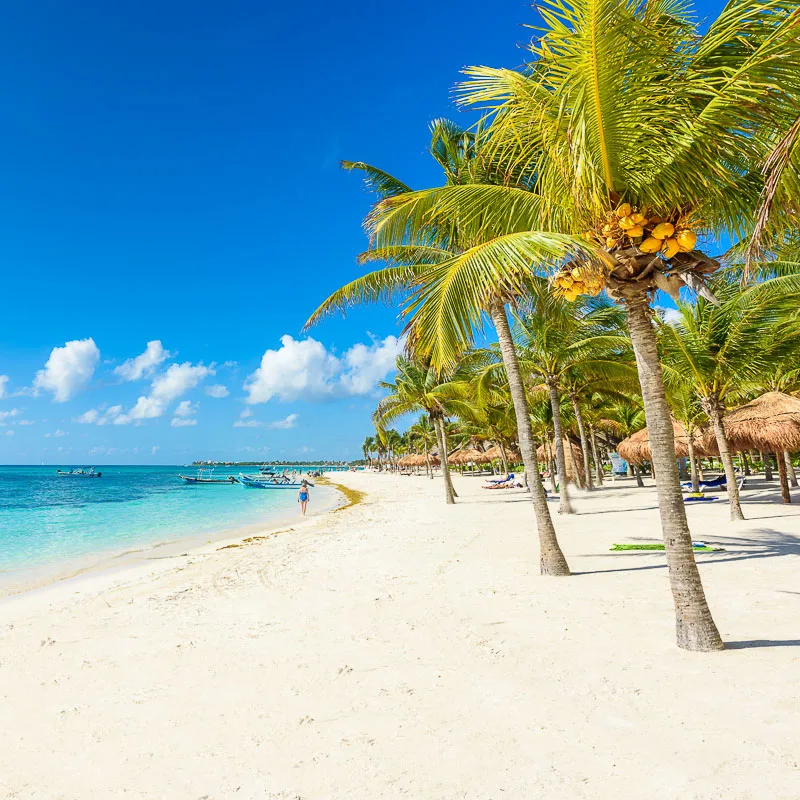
x=651 y=234
x=571 y=282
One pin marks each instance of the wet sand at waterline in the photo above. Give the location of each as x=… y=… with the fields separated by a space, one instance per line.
x=404 y=648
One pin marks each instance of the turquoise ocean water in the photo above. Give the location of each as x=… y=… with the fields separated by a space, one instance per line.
x=46 y=520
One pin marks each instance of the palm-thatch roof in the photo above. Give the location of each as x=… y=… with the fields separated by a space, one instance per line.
x=494 y=454
x=770 y=423
x=471 y=455
x=636 y=449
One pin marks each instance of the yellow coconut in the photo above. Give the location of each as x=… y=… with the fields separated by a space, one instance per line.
x=639 y=219
x=607 y=229
x=570 y=296
x=663 y=230
x=623 y=210
x=686 y=240
x=671 y=248
x=626 y=222
x=651 y=245
x=636 y=230
x=610 y=242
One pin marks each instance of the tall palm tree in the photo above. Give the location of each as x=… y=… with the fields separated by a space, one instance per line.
x=721 y=350
x=419 y=387
x=422 y=254
x=565 y=345
x=630 y=108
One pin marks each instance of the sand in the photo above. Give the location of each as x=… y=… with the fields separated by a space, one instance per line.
x=405 y=649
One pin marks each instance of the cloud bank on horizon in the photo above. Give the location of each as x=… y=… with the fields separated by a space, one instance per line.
x=300 y=370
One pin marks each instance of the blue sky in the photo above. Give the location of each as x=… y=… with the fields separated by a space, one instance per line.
x=172 y=194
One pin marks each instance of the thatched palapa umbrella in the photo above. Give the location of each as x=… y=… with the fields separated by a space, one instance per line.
x=770 y=423
x=573 y=456
x=471 y=455
x=636 y=449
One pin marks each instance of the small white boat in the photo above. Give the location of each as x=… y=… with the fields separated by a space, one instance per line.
x=271 y=482
x=206 y=476
x=79 y=473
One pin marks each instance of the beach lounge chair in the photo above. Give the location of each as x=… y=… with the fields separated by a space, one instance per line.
x=510 y=477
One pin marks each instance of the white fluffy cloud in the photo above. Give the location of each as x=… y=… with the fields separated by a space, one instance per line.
x=184 y=412
x=144 y=364
x=306 y=369
x=68 y=370
x=3 y=386
x=169 y=386
x=56 y=434
x=217 y=390
x=9 y=433
x=97 y=417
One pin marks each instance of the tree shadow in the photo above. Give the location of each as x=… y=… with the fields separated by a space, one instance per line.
x=746 y=645
x=774 y=544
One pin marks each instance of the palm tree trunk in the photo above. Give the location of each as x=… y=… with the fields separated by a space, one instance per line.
x=638 y=475
x=551 y=466
x=746 y=464
x=767 y=466
x=441 y=440
x=587 y=466
x=695 y=627
x=785 y=495
x=428 y=470
x=713 y=408
x=790 y=469
x=503 y=456
x=693 y=466
x=564 y=505
x=595 y=455
x=551 y=558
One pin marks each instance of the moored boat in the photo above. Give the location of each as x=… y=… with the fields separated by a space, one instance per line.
x=206 y=476
x=80 y=472
x=272 y=482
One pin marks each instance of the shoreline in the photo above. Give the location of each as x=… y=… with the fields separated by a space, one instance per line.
x=112 y=563
x=404 y=632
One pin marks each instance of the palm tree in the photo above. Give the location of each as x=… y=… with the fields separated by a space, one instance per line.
x=367 y=447
x=721 y=350
x=422 y=435
x=565 y=346
x=628 y=108
x=419 y=387
x=626 y=417
x=423 y=255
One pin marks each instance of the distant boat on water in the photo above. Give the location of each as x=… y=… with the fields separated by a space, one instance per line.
x=206 y=476
x=80 y=472
x=271 y=482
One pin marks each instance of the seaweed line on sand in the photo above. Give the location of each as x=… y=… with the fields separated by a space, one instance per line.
x=352 y=496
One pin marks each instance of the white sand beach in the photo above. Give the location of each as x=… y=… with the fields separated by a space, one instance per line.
x=402 y=648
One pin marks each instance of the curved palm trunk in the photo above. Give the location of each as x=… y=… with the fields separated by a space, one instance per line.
x=587 y=466
x=595 y=455
x=503 y=457
x=428 y=470
x=785 y=494
x=637 y=473
x=551 y=558
x=441 y=440
x=695 y=626
x=564 y=505
x=746 y=464
x=790 y=469
x=713 y=408
x=693 y=466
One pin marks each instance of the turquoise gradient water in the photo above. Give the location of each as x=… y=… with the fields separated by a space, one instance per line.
x=46 y=519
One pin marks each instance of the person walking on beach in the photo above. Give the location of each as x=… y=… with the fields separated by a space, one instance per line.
x=303 y=496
